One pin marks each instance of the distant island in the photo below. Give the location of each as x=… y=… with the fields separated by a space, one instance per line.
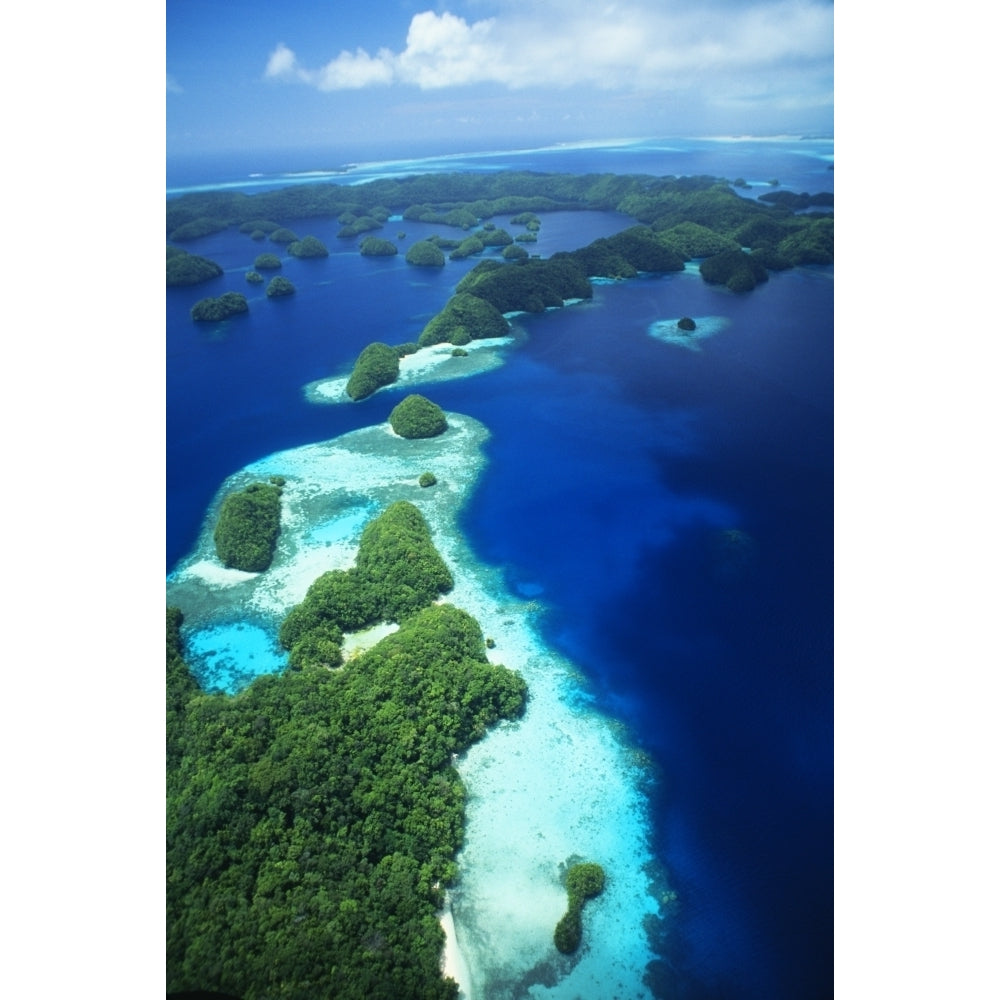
x=680 y=218
x=308 y=246
x=278 y=287
x=185 y=268
x=213 y=310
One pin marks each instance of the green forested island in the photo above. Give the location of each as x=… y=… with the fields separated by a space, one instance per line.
x=226 y=305
x=583 y=882
x=417 y=417
x=374 y=246
x=279 y=286
x=247 y=530
x=185 y=268
x=313 y=819
x=308 y=246
x=423 y=253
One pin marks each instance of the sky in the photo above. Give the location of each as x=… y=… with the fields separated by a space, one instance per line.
x=485 y=74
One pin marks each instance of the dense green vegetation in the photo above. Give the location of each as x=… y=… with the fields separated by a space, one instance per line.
x=583 y=882
x=197 y=228
x=528 y=285
x=738 y=271
x=373 y=246
x=464 y=318
x=267 y=262
x=358 y=226
x=213 y=310
x=279 y=286
x=810 y=244
x=686 y=323
x=397 y=572
x=313 y=819
x=470 y=246
x=625 y=254
x=495 y=237
x=255 y=277
x=423 y=253
x=185 y=268
x=254 y=226
x=691 y=240
x=798 y=202
x=283 y=235
x=427 y=479
x=377 y=365
x=417 y=417
x=247 y=530
x=308 y=246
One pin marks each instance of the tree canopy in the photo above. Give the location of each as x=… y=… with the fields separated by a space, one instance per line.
x=377 y=365
x=279 y=286
x=213 y=310
x=313 y=819
x=185 y=268
x=267 y=262
x=583 y=882
x=417 y=417
x=374 y=246
x=308 y=246
x=247 y=529
x=423 y=253
x=465 y=317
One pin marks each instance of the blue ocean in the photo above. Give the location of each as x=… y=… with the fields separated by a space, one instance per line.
x=670 y=505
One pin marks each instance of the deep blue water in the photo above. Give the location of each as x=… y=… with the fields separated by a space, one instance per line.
x=672 y=508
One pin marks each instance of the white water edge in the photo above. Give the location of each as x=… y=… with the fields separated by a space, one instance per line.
x=562 y=784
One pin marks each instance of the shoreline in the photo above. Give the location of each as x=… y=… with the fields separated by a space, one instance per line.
x=453 y=964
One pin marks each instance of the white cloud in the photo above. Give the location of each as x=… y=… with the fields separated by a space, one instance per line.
x=716 y=47
x=352 y=72
x=281 y=62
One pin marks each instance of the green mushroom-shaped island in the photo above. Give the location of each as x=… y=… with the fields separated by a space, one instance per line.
x=279 y=286
x=425 y=254
x=185 y=268
x=417 y=417
x=375 y=246
x=213 y=310
x=308 y=246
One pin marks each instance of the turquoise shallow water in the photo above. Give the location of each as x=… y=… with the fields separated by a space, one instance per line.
x=228 y=657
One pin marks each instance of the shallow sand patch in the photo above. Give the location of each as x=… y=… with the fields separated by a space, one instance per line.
x=668 y=331
x=428 y=365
